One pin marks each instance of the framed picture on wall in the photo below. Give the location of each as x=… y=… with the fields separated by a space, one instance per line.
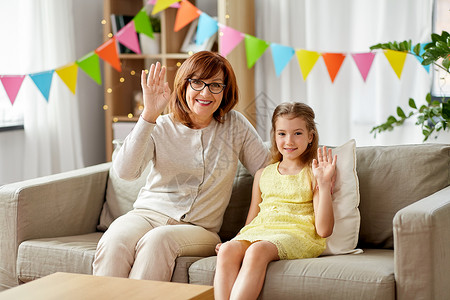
x=189 y=41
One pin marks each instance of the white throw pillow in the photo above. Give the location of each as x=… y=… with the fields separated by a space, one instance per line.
x=345 y=203
x=120 y=194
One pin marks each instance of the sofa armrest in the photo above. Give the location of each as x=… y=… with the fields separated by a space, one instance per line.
x=422 y=248
x=57 y=205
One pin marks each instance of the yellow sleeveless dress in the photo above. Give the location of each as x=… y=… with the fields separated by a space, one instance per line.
x=286 y=216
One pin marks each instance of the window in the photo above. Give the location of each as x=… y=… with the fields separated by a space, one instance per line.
x=441 y=78
x=11 y=116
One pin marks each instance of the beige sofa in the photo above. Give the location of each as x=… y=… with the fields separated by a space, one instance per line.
x=50 y=224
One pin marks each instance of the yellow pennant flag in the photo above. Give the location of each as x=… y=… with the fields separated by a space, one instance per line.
x=68 y=74
x=162 y=5
x=397 y=60
x=306 y=60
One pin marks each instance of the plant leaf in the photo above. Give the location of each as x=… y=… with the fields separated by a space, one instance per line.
x=446 y=63
x=428 y=98
x=392 y=119
x=412 y=103
x=400 y=112
x=446 y=111
x=417 y=49
x=435 y=37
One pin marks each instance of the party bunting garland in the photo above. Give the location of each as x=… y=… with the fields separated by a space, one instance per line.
x=229 y=38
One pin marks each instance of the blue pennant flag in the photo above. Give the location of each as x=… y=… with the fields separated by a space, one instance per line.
x=281 y=56
x=207 y=26
x=419 y=58
x=43 y=81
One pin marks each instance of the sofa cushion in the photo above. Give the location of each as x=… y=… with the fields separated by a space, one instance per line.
x=391 y=178
x=41 y=257
x=345 y=203
x=182 y=264
x=237 y=209
x=366 y=276
x=120 y=194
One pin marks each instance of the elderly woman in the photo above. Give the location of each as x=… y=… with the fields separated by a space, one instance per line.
x=193 y=154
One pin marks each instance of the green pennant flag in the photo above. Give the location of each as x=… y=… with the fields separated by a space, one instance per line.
x=90 y=63
x=254 y=48
x=142 y=23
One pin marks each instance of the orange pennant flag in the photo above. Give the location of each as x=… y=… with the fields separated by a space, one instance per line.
x=333 y=61
x=185 y=15
x=108 y=52
x=396 y=60
x=68 y=74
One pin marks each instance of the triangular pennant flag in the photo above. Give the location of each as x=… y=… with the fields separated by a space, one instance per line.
x=108 y=52
x=127 y=36
x=43 y=82
x=333 y=62
x=142 y=23
x=185 y=15
x=162 y=5
x=281 y=56
x=420 y=59
x=363 y=62
x=206 y=27
x=396 y=60
x=254 y=49
x=306 y=60
x=153 y=2
x=90 y=63
x=12 y=84
x=229 y=39
x=68 y=74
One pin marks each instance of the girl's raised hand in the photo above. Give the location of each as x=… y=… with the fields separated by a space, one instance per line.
x=156 y=92
x=218 y=247
x=324 y=167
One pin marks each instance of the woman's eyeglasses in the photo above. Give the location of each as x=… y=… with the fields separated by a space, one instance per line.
x=199 y=85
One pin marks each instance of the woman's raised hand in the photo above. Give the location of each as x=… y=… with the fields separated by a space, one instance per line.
x=156 y=92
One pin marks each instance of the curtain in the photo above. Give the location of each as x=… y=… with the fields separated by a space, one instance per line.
x=38 y=35
x=349 y=107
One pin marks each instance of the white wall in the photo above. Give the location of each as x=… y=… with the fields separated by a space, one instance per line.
x=88 y=34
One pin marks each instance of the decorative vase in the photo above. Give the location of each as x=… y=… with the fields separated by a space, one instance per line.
x=149 y=45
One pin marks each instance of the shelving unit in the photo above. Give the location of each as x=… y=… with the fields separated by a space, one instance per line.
x=121 y=86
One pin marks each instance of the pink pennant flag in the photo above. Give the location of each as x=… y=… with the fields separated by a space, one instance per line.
x=229 y=39
x=127 y=36
x=12 y=84
x=364 y=62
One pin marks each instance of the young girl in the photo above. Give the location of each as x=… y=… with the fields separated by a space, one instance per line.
x=291 y=212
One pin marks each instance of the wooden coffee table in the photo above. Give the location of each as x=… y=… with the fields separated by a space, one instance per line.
x=69 y=286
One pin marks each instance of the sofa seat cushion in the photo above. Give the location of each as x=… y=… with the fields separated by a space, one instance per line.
x=369 y=275
x=41 y=257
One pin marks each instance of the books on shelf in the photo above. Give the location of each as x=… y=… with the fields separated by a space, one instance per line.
x=117 y=23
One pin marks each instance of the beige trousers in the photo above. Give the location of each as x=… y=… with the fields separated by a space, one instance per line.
x=144 y=244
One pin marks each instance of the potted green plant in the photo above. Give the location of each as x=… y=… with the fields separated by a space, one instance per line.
x=435 y=116
x=149 y=45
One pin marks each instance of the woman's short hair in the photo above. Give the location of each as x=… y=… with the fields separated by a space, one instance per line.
x=291 y=110
x=204 y=65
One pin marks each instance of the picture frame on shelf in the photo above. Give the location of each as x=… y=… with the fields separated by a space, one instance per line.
x=189 y=44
